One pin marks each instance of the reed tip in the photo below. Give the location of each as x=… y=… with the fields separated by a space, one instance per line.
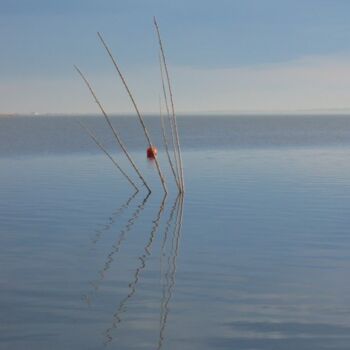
x=100 y=36
x=77 y=69
x=155 y=21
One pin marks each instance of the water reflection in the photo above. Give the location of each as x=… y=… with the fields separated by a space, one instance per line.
x=169 y=250
x=116 y=247
x=112 y=218
x=173 y=223
x=168 y=287
x=165 y=235
x=133 y=284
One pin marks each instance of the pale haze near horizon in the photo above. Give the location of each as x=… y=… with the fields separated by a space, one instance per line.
x=225 y=56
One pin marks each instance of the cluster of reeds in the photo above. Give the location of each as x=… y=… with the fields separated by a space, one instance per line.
x=175 y=161
x=173 y=223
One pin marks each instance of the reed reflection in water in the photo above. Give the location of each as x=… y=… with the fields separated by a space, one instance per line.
x=112 y=218
x=116 y=247
x=168 y=287
x=173 y=224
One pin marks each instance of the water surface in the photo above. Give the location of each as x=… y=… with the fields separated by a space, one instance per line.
x=260 y=259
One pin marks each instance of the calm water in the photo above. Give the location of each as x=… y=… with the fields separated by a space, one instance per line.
x=256 y=256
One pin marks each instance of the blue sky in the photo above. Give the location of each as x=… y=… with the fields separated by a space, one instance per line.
x=238 y=55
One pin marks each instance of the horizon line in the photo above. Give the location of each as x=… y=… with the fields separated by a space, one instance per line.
x=343 y=110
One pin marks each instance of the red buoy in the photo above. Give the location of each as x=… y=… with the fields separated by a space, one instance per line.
x=152 y=152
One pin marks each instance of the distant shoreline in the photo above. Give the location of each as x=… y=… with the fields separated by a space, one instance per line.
x=193 y=114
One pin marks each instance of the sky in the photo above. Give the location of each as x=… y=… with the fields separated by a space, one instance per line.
x=223 y=56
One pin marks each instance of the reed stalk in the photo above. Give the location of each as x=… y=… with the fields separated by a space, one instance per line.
x=115 y=133
x=171 y=125
x=166 y=144
x=172 y=105
x=161 y=176
x=103 y=149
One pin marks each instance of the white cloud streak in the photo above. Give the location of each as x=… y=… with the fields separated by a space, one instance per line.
x=310 y=83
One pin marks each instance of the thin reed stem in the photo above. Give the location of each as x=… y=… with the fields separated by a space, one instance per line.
x=166 y=144
x=100 y=145
x=162 y=179
x=170 y=122
x=172 y=105
x=115 y=133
